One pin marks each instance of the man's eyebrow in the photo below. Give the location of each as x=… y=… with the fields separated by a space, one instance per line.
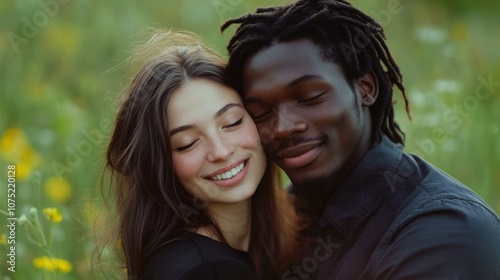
x=303 y=79
x=218 y=114
x=298 y=81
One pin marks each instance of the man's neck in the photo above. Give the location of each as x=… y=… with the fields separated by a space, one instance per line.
x=312 y=202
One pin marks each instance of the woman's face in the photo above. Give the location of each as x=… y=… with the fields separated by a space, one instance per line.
x=216 y=149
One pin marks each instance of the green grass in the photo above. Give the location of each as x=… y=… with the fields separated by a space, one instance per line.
x=59 y=88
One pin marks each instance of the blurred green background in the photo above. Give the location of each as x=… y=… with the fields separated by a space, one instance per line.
x=62 y=72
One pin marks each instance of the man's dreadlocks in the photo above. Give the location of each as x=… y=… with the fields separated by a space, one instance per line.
x=345 y=35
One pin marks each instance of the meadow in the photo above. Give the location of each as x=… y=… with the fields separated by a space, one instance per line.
x=62 y=72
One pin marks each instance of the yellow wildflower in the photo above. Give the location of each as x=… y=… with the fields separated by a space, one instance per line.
x=3 y=239
x=53 y=264
x=8 y=140
x=15 y=148
x=23 y=170
x=53 y=214
x=58 y=189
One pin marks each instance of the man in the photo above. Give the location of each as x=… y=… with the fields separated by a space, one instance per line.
x=312 y=77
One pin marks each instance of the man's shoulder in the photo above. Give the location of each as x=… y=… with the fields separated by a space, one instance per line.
x=437 y=189
x=442 y=229
x=448 y=199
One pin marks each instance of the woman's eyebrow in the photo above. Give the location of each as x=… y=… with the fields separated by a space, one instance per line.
x=227 y=107
x=181 y=128
x=217 y=115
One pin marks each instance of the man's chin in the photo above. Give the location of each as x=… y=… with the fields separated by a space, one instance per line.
x=319 y=186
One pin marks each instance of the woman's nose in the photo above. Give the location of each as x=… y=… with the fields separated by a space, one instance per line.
x=220 y=149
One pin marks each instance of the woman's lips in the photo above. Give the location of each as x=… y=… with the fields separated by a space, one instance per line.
x=230 y=180
x=300 y=155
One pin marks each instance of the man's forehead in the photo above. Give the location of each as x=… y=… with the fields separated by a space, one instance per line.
x=280 y=64
x=284 y=53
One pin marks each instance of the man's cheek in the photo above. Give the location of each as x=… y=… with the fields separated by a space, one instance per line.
x=265 y=133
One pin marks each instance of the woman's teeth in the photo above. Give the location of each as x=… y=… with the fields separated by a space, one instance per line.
x=229 y=174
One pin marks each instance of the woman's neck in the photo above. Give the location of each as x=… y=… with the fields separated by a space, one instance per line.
x=234 y=221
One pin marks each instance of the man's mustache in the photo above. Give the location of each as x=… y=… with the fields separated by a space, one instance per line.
x=294 y=141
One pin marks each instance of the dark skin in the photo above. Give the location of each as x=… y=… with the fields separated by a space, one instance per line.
x=313 y=123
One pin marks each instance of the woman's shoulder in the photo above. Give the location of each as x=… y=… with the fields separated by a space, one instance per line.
x=198 y=257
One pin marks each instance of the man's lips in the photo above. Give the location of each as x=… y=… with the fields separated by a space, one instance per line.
x=300 y=155
x=297 y=150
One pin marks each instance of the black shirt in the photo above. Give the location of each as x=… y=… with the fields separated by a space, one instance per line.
x=199 y=257
x=398 y=217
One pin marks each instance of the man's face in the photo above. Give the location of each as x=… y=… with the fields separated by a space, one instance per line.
x=312 y=122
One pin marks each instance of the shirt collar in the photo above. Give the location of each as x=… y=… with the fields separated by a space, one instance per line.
x=358 y=194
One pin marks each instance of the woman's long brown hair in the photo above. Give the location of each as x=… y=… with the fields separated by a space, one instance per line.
x=152 y=207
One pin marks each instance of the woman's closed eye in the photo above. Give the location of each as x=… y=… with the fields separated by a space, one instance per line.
x=185 y=147
x=236 y=123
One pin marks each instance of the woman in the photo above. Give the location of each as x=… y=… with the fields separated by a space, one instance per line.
x=195 y=195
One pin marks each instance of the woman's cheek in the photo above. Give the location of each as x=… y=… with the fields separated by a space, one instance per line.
x=186 y=166
x=249 y=137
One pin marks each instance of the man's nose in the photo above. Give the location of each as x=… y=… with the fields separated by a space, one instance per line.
x=287 y=123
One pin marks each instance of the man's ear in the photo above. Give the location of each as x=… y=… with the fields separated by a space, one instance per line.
x=367 y=87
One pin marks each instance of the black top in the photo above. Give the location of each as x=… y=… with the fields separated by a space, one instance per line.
x=199 y=257
x=398 y=217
